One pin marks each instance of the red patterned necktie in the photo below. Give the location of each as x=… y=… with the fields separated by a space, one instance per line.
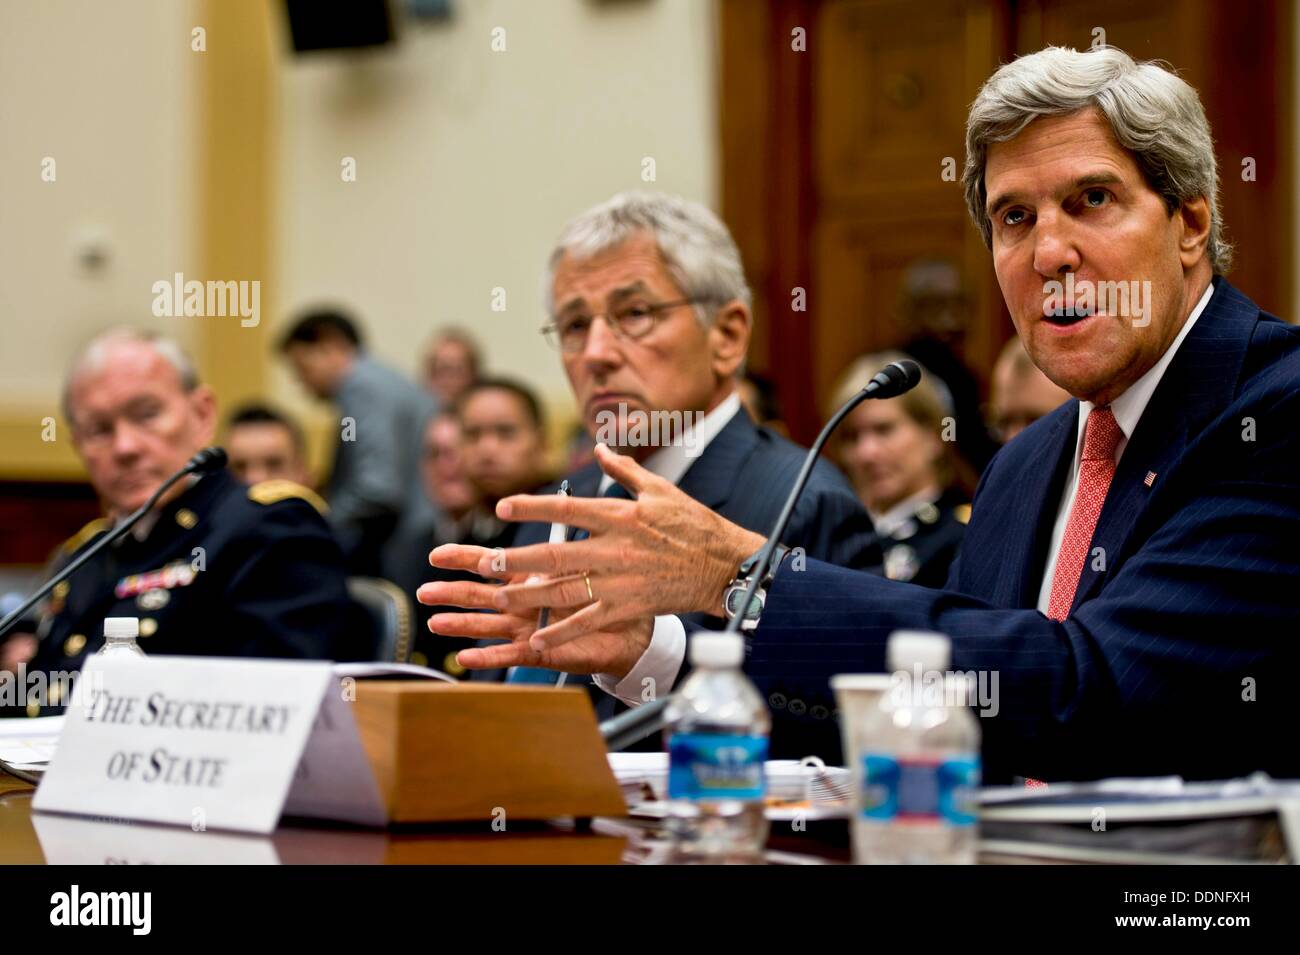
x=1101 y=436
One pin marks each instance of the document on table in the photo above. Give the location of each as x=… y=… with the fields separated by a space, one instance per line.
x=29 y=744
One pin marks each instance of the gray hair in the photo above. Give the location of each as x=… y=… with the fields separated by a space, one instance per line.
x=697 y=249
x=95 y=354
x=1154 y=114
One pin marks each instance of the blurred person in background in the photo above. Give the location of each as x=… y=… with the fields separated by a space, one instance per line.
x=452 y=363
x=503 y=441
x=895 y=456
x=758 y=395
x=266 y=445
x=374 y=484
x=502 y=452
x=1021 y=392
x=933 y=309
x=442 y=469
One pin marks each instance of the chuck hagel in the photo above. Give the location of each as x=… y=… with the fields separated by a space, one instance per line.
x=159 y=711
x=216 y=569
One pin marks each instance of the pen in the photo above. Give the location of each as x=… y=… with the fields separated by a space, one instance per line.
x=558 y=533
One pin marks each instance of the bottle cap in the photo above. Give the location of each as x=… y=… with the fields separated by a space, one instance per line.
x=907 y=648
x=717 y=649
x=121 y=627
x=857 y=682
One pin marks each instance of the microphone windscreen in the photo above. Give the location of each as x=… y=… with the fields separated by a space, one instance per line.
x=894 y=379
x=911 y=374
x=208 y=460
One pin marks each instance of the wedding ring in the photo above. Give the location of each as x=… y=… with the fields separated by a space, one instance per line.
x=590 y=595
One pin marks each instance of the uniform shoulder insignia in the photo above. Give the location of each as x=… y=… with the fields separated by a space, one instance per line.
x=962 y=513
x=269 y=492
x=74 y=543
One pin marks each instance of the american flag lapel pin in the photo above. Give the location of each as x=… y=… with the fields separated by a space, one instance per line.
x=1150 y=478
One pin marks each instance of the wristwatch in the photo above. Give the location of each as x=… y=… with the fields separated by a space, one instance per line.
x=734 y=595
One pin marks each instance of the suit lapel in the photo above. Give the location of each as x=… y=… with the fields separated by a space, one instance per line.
x=584 y=483
x=713 y=475
x=1199 y=382
x=1036 y=505
x=1157 y=443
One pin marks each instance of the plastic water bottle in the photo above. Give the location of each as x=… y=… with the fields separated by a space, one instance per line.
x=717 y=745
x=120 y=637
x=918 y=761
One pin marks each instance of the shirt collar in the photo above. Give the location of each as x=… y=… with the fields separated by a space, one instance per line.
x=1129 y=406
x=149 y=520
x=891 y=520
x=673 y=461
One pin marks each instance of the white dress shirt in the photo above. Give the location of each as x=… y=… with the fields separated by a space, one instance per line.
x=662 y=659
x=1127 y=409
x=668 y=641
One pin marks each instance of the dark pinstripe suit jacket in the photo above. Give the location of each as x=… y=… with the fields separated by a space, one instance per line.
x=1179 y=656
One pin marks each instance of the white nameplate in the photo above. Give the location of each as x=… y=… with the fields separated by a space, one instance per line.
x=210 y=743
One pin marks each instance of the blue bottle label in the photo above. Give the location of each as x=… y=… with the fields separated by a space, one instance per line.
x=716 y=766
x=912 y=790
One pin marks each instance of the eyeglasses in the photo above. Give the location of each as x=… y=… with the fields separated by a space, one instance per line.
x=629 y=322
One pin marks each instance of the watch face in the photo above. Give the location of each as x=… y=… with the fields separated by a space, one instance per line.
x=736 y=595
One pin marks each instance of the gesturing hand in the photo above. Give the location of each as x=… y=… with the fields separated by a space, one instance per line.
x=613 y=649
x=662 y=553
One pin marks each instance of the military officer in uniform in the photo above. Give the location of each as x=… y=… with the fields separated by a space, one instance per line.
x=920 y=541
x=895 y=453
x=217 y=568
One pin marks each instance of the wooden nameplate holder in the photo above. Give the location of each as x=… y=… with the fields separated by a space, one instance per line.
x=444 y=752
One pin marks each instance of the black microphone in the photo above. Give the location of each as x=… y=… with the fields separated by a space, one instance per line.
x=891 y=381
x=205 y=462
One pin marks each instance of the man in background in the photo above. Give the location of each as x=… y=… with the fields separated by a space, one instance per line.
x=503 y=452
x=374 y=484
x=406 y=564
x=932 y=309
x=265 y=445
x=758 y=395
x=1021 y=392
x=451 y=364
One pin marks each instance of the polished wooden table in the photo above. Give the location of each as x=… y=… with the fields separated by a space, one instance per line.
x=28 y=838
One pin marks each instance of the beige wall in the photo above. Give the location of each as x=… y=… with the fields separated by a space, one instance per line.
x=469 y=161
x=106 y=90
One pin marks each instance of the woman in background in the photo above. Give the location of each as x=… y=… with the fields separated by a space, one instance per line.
x=895 y=453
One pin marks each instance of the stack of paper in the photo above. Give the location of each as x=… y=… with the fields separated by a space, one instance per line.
x=1155 y=820
x=28 y=744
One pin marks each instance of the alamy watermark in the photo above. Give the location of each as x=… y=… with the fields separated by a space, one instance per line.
x=180 y=298
x=32 y=689
x=650 y=429
x=1078 y=298
x=919 y=687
